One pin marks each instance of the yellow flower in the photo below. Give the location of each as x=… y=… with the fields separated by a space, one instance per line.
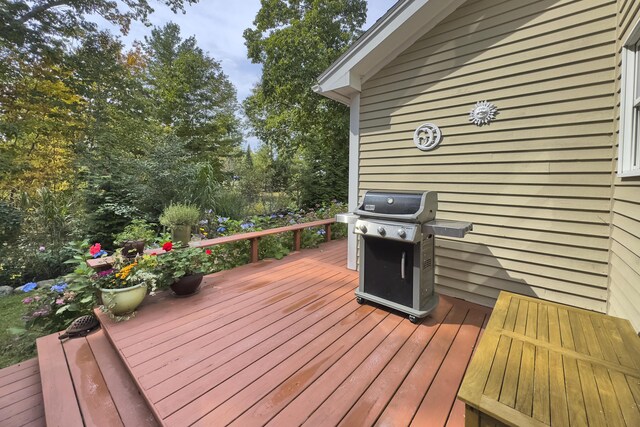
x=124 y=271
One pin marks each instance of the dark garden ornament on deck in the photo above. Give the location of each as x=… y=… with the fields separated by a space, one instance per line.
x=427 y=136
x=80 y=327
x=483 y=113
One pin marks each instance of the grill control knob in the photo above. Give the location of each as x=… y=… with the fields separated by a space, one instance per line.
x=382 y=231
x=402 y=233
x=363 y=228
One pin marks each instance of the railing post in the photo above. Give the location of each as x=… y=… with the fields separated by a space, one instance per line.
x=327 y=232
x=296 y=239
x=254 y=249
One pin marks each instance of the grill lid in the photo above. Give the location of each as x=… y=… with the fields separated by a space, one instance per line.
x=401 y=206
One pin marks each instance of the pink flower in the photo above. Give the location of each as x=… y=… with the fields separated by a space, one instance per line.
x=167 y=246
x=94 y=249
x=60 y=301
x=27 y=300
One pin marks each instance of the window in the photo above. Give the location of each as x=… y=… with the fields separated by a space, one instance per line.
x=629 y=142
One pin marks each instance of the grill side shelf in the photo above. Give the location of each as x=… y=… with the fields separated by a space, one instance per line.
x=447 y=228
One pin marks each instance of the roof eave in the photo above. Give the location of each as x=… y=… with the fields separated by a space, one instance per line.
x=399 y=28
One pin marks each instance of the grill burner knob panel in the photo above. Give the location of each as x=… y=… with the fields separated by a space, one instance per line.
x=402 y=233
x=382 y=231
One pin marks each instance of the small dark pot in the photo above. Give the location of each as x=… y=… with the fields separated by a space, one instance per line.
x=188 y=285
x=132 y=248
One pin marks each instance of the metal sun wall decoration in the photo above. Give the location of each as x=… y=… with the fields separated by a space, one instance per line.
x=483 y=113
x=427 y=136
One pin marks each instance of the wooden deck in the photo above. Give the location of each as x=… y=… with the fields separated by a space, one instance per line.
x=285 y=343
x=21 y=395
x=84 y=383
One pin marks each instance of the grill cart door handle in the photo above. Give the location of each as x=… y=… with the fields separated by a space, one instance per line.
x=404 y=257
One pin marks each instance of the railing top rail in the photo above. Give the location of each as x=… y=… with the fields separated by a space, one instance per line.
x=108 y=261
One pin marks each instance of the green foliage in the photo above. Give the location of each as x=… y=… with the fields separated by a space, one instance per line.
x=45 y=24
x=190 y=93
x=51 y=216
x=109 y=203
x=295 y=42
x=275 y=246
x=38 y=253
x=178 y=263
x=179 y=214
x=10 y=221
x=167 y=173
x=230 y=255
x=16 y=343
x=55 y=308
x=137 y=230
x=232 y=203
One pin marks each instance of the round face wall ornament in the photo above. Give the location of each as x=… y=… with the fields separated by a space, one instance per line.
x=483 y=113
x=427 y=136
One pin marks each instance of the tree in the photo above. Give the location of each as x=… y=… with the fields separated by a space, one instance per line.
x=116 y=103
x=40 y=25
x=295 y=41
x=39 y=118
x=190 y=93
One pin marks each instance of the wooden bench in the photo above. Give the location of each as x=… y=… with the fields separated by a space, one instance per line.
x=545 y=364
x=253 y=237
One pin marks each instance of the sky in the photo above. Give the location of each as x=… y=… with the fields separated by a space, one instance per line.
x=218 y=26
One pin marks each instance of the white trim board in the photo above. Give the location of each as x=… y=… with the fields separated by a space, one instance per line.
x=354 y=158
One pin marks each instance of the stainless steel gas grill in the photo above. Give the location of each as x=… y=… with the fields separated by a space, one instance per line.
x=397 y=263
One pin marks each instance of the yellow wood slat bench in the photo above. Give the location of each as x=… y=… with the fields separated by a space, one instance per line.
x=545 y=364
x=253 y=237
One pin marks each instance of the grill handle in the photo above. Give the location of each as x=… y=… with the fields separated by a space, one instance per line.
x=404 y=258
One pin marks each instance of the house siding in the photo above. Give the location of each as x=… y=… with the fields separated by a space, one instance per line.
x=624 y=300
x=537 y=181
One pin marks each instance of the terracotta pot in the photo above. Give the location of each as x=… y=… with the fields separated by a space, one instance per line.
x=123 y=301
x=181 y=234
x=188 y=285
x=132 y=248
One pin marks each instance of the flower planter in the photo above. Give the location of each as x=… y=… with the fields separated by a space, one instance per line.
x=123 y=301
x=181 y=234
x=132 y=248
x=188 y=285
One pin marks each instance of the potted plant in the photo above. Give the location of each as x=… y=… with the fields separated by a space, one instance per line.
x=183 y=269
x=180 y=217
x=135 y=237
x=123 y=287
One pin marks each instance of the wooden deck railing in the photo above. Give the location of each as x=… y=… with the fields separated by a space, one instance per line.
x=253 y=237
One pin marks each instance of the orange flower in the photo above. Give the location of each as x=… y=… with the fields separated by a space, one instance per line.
x=125 y=271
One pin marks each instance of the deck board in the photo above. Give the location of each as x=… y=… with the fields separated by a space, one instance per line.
x=285 y=343
x=21 y=395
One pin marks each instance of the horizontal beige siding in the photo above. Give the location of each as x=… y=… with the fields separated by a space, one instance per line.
x=536 y=183
x=625 y=236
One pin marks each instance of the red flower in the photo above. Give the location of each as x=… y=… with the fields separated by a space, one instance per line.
x=167 y=246
x=154 y=253
x=208 y=252
x=94 y=249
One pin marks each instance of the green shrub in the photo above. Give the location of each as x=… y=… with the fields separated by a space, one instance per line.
x=137 y=230
x=53 y=309
x=179 y=214
x=10 y=221
x=26 y=262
